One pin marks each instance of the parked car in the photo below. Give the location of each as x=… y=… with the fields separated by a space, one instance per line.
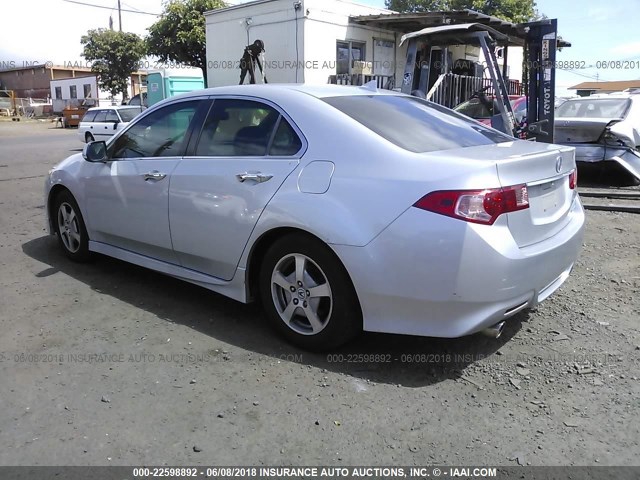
x=326 y=204
x=101 y=123
x=602 y=128
x=482 y=111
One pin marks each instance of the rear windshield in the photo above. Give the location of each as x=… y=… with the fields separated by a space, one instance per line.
x=593 y=108
x=128 y=114
x=415 y=124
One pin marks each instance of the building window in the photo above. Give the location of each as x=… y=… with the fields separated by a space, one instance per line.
x=58 y=93
x=87 y=90
x=73 y=91
x=346 y=53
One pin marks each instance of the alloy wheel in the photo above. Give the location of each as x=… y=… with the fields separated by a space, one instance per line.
x=68 y=227
x=301 y=294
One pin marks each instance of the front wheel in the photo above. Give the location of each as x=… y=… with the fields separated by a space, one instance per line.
x=70 y=228
x=308 y=295
x=88 y=137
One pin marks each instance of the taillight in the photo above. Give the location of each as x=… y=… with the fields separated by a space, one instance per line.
x=477 y=206
x=573 y=179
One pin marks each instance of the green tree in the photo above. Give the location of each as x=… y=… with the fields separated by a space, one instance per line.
x=113 y=56
x=516 y=11
x=179 y=36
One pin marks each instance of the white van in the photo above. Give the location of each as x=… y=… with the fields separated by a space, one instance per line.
x=101 y=123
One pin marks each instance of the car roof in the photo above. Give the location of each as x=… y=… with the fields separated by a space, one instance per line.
x=113 y=107
x=318 y=91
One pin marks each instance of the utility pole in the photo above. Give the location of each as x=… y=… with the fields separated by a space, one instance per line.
x=119 y=16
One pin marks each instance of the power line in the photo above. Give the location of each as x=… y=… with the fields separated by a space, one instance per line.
x=568 y=70
x=111 y=8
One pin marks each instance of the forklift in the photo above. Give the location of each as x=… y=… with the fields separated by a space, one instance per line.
x=428 y=57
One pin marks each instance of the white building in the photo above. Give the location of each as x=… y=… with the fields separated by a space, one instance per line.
x=305 y=41
x=85 y=90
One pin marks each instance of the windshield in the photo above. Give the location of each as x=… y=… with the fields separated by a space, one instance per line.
x=475 y=108
x=128 y=114
x=593 y=108
x=415 y=124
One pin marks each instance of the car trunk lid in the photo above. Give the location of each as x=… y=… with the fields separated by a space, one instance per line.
x=545 y=170
x=580 y=130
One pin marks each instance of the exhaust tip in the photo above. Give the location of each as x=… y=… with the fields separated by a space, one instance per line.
x=494 y=331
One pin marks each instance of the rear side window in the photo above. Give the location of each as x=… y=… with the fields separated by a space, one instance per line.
x=112 y=116
x=286 y=141
x=415 y=124
x=237 y=128
x=101 y=116
x=89 y=116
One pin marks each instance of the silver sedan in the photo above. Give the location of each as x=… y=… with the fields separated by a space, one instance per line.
x=341 y=208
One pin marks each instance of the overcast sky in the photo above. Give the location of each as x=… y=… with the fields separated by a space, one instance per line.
x=50 y=30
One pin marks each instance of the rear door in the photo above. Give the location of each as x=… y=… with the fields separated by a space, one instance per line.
x=245 y=151
x=97 y=127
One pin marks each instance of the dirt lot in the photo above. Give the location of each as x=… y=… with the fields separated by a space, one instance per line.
x=108 y=363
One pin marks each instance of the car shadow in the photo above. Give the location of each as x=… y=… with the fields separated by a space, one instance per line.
x=382 y=358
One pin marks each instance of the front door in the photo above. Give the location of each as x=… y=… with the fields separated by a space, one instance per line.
x=128 y=196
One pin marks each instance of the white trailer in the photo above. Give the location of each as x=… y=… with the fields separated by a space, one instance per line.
x=306 y=41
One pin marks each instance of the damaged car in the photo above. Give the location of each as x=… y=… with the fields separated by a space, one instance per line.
x=602 y=128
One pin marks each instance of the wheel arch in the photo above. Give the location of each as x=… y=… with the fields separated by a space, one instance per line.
x=265 y=241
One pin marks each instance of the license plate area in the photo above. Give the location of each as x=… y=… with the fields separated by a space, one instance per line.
x=548 y=201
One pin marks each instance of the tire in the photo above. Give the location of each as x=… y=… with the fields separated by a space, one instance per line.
x=307 y=294
x=70 y=228
x=88 y=138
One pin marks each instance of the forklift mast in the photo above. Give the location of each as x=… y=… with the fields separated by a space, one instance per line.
x=540 y=78
x=416 y=76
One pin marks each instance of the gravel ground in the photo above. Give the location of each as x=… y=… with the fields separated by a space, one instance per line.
x=111 y=364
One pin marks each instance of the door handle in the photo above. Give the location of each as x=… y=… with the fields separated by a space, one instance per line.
x=256 y=177
x=155 y=175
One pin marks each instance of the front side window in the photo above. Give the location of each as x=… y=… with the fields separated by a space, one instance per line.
x=237 y=128
x=160 y=134
x=415 y=124
x=128 y=114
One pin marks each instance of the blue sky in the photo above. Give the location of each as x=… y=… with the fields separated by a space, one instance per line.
x=598 y=30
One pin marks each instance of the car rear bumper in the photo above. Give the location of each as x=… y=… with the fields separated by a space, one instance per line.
x=431 y=275
x=627 y=158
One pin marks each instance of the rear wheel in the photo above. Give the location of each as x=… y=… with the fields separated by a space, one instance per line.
x=88 y=137
x=70 y=228
x=308 y=295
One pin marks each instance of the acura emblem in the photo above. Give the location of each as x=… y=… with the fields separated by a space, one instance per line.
x=558 y=164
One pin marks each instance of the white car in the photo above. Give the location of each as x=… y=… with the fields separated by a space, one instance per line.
x=101 y=123
x=342 y=208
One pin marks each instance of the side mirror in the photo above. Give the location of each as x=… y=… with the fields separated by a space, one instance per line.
x=115 y=125
x=95 y=151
